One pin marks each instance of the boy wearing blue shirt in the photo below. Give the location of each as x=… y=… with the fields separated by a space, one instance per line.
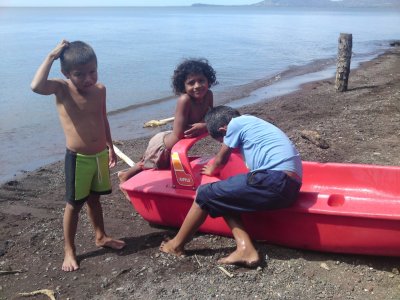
x=273 y=181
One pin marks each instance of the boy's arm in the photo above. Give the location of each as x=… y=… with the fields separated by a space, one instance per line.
x=219 y=161
x=180 y=121
x=112 y=156
x=195 y=130
x=40 y=83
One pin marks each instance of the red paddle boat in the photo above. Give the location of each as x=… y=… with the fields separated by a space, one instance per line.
x=344 y=208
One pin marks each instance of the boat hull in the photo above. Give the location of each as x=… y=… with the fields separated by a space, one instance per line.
x=343 y=208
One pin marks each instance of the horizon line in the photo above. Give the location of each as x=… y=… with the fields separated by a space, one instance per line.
x=191 y=5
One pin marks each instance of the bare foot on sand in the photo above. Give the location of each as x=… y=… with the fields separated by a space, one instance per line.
x=245 y=258
x=124 y=175
x=70 y=263
x=109 y=242
x=168 y=246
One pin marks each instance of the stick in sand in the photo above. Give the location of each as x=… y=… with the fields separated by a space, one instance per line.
x=155 y=123
x=46 y=292
x=230 y=275
x=123 y=156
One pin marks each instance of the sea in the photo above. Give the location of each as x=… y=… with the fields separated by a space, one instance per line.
x=257 y=52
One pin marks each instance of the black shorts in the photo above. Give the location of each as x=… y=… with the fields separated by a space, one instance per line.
x=254 y=191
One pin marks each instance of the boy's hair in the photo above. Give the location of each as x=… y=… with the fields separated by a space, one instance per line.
x=218 y=117
x=192 y=66
x=77 y=53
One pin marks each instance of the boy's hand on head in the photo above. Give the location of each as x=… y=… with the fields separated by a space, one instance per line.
x=55 y=54
x=40 y=83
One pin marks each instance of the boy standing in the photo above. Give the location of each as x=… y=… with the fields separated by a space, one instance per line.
x=273 y=182
x=81 y=106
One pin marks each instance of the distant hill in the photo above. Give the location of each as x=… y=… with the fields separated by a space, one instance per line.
x=321 y=3
x=329 y=3
x=203 y=4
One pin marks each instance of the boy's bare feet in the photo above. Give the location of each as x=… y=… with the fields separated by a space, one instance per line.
x=168 y=246
x=70 y=263
x=122 y=176
x=246 y=258
x=109 y=242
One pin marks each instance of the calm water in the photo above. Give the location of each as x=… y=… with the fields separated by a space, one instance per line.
x=138 y=48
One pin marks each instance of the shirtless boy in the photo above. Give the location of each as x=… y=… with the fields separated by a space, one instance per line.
x=191 y=80
x=81 y=106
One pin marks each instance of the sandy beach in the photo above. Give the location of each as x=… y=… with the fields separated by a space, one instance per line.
x=358 y=126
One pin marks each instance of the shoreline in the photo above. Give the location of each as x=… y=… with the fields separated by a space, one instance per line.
x=276 y=108
x=358 y=126
x=287 y=76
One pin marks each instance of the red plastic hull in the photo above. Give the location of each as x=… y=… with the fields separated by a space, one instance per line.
x=344 y=208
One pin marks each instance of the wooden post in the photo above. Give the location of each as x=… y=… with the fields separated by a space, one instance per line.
x=343 y=61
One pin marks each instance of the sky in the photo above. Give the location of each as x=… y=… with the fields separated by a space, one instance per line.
x=121 y=2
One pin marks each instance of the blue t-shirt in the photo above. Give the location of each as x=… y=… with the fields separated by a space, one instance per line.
x=263 y=145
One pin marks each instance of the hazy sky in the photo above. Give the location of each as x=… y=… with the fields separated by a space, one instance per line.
x=120 y=2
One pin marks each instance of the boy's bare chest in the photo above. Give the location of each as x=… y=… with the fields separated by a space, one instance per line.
x=197 y=111
x=83 y=105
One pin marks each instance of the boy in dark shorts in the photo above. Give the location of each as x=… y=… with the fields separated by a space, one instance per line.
x=81 y=106
x=273 y=181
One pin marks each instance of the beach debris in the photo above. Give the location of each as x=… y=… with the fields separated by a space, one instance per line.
x=5 y=272
x=195 y=256
x=123 y=156
x=123 y=271
x=395 y=44
x=140 y=271
x=324 y=266
x=225 y=271
x=12 y=182
x=155 y=123
x=315 y=138
x=119 y=143
x=46 y=292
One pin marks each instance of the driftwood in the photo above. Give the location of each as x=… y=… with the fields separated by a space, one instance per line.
x=48 y=293
x=195 y=256
x=230 y=275
x=315 y=138
x=155 y=123
x=6 y=272
x=343 y=62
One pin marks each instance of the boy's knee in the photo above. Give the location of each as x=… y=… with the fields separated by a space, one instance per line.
x=74 y=208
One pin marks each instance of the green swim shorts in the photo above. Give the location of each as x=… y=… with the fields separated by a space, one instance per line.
x=86 y=174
